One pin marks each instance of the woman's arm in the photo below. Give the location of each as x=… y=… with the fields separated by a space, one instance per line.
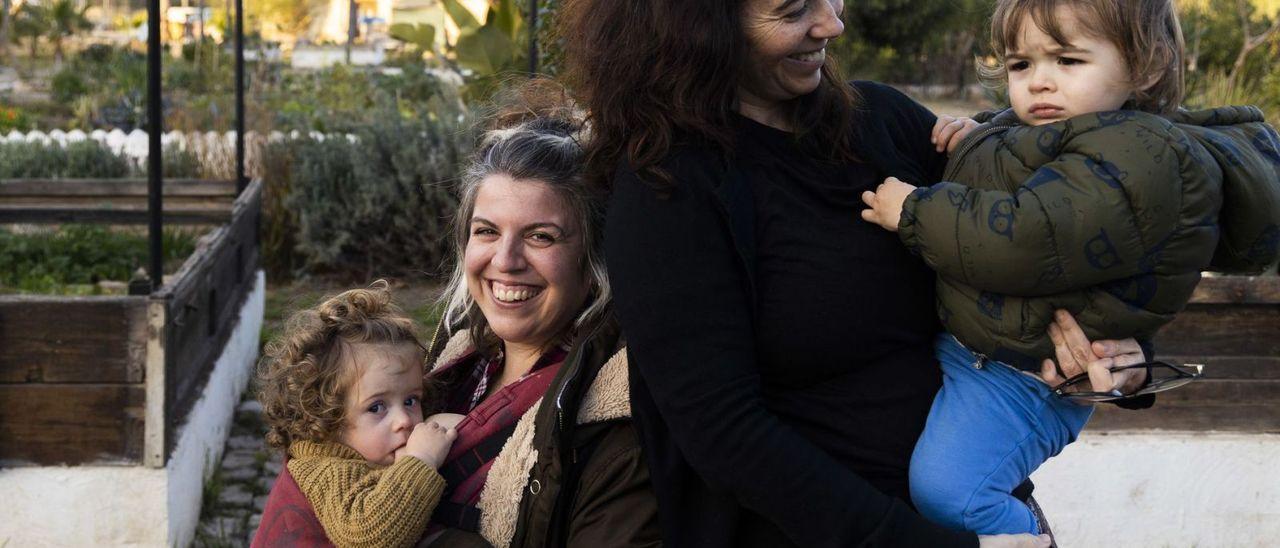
x=683 y=300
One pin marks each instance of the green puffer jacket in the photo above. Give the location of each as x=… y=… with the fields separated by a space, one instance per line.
x=1111 y=216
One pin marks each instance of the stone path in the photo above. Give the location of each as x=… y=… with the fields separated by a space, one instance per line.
x=234 y=496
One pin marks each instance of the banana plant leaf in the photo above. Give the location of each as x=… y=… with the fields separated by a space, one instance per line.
x=485 y=51
x=421 y=35
x=461 y=16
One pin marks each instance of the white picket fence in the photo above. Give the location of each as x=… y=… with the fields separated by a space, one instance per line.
x=215 y=150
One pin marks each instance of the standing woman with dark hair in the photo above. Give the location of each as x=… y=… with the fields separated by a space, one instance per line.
x=781 y=349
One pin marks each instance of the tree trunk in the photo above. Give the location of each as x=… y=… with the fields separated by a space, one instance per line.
x=5 y=17
x=963 y=64
x=1248 y=42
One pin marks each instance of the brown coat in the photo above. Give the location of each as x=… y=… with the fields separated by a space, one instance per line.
x=527 y=500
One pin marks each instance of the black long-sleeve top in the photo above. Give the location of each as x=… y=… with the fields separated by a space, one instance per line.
x=781 y=347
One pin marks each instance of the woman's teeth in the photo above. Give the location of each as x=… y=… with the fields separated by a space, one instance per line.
x=511 y=296
x=811 y=57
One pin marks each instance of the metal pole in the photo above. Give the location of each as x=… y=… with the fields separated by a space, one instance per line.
x=353 y=27
x=533 y=37
x=241 y=181
x=155 y=173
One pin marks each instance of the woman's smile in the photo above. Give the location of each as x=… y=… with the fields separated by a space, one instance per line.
x=810 y=60
x=512 y=293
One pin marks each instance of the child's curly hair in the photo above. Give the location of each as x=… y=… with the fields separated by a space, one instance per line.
x=302 y=381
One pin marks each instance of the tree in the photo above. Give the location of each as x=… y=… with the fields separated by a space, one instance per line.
x=291 y=17
x=1249 y=41
x=5 y=19
x=31 y=22
x=913 y=41
x=66 y=19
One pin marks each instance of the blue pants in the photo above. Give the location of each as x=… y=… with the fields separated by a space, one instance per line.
x=990 y=426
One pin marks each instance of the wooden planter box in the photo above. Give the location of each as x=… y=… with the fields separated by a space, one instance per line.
x=110 y=380
x=1232 y=325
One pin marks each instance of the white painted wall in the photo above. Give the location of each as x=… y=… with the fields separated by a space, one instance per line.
x=317 y=57
x=1164 y=489
x=134 y=505
x=199 y=447
x=83 y=506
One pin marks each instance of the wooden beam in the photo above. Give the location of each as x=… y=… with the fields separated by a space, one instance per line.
x=1238 y=290
x=112 y=188
x=155 y=427
x=202 y=299
x=69 y=424
x=56 y=215
x=1203 y=331
x=1254 y=417
x=72 y=339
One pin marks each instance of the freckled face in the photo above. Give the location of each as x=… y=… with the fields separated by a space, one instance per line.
x=524 y=261
x=1050 y=82
x=786 y=47
x=385 y=401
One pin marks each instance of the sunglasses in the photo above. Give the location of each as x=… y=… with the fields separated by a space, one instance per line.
x=1163 y=376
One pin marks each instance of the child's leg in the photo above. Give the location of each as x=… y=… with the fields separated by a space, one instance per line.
x=989 y=428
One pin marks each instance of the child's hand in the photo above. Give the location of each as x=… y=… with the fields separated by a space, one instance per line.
x=447 y=420
x=429 y=443
x=948 y=131
x=885 y=204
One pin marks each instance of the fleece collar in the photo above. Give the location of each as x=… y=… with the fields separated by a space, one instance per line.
x=608 y=398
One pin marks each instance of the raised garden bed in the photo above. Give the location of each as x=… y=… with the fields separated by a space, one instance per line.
x=110 y=380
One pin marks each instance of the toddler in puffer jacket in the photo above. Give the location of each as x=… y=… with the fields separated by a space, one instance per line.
x=1093 y=194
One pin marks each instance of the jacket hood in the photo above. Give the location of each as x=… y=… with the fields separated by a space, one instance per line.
x=1247 y=151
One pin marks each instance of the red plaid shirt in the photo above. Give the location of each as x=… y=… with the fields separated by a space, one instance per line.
x=470 y=392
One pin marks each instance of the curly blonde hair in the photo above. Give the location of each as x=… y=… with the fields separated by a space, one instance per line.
x=303 y=378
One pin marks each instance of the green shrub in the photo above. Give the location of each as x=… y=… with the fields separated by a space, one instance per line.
x=68 y=85
x=88 y=160
x=180 y=163
x=91 y=159
x=1213 y=89
x=280 y=256
x=56 y=261
x=81 y=159
x=378 y=204
x=12 y=118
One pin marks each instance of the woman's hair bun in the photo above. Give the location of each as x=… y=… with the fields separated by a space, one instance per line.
x=560 y=126
x=540 y=102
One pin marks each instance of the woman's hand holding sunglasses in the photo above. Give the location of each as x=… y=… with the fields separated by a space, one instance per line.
x=1100 y=360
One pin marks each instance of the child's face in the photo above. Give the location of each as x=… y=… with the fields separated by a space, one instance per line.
x=385 y=401
x=1050 y=82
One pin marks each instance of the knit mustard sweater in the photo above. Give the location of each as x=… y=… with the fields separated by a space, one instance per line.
x=361 y=504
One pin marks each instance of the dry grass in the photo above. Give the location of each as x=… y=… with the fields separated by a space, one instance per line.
x=416 y=296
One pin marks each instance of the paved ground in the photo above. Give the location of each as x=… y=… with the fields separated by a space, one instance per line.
x=235 y=494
